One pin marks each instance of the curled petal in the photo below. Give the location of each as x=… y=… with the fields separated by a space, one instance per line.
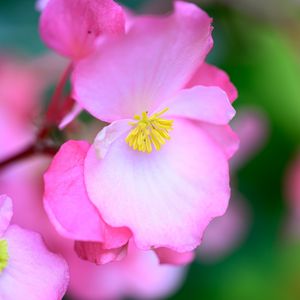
x=69 y=117
x=95 y=253
x=108 y=135
x=209 y=75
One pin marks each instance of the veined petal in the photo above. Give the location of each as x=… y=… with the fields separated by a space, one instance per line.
x=67 y=203
x=71 y=27
x=144 y=68
x=155 y=194
x=206 y=104
x=32 y=272
x=208 y=75
x=6 y=213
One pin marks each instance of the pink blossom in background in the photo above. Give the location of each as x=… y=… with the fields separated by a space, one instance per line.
x=151 y=194
x=293 y=186
x=79 y=24
x=139 y=275
x=22 y=86
x=27 y=268
x=253 y=129
x=19 y=95
x=227 y=233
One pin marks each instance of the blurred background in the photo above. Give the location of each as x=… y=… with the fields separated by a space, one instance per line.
x=253 y=252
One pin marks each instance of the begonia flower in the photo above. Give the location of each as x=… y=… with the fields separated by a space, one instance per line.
x=160 y=168
x=139 y=275
x=72 y=27
x=27 y=269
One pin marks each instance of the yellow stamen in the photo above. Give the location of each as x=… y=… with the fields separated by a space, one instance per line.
x=149 y=131
x=3 y=254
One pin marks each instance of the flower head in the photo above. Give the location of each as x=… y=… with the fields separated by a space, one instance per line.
x=24 y=260
x=160 y=168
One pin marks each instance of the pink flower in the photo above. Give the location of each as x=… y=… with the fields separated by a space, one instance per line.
x=27 y=268
x=139 y=275
x=79 y=24
x=160 y=169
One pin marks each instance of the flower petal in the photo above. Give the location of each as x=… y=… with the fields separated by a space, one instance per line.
x=226 y=138
x=78 y=23
x=32 y=271
x=69 y=117
x=95 y=253
x=206 y=104
x=155 y=194
x=108 y=135
x=141 y=70
x=6 y=213
x=209 y=75
x=167 y=256
x=67 y=203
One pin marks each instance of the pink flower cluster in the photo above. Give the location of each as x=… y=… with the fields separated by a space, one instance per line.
x=147 y=186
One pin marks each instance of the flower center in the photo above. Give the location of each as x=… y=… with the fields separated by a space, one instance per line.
x=3 y=254
x=149 y=131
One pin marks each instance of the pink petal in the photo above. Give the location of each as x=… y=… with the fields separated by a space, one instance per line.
x=209 y=75
x=41 y=4
x=224 y=136
x=6 y=213
x=139 y=71
x=78 y=23
x=146 y=279
x=108 y=135
x=67 y=203
x=32 y=272
x=155 y=194
x=95 y=253
x=69 y=118
x=138 y=276
x=167 y=256
x=207 y=104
